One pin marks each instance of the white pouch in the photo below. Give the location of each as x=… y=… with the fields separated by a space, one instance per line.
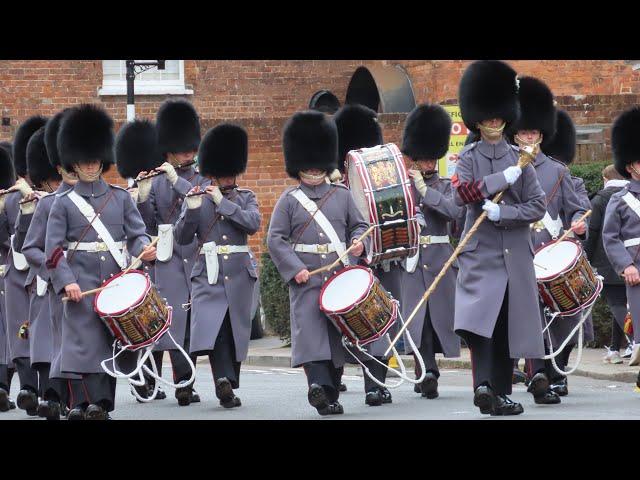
x=19 y=260
x=41 y=286
x=164 y=250
x=210 y=251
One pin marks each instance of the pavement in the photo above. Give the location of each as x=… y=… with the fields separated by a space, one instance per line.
x=272 y=352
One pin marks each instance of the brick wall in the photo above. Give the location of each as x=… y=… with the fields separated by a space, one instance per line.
x=261 y=95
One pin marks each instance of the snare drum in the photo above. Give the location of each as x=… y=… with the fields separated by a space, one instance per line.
x=132 y=310
x=357 y=305
x=566 y=281
x=381 y=188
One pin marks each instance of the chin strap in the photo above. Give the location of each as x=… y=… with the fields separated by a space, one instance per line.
x=490 y=132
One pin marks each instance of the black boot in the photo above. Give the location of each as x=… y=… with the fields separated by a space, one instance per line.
x=49 y=409
x=373 y=398
x=505 y=406
x=4 y=400
x=184 y=395
x=224 y=392
x=195 y=398
x=386 y=395
x=429 y=386
x=484 y=398
x=342 y=387
x=539 y=385
x=96 y=412
x=27 y=400
x=518 y=376
x=334 y=408
x=77 y=413
x=548 y=398
x=561 y=388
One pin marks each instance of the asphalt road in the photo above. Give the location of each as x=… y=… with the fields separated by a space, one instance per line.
x=280 y=393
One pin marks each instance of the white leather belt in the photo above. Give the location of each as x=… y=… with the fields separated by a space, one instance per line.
x=315 y=248
x=3 y=270
x=93 y=246
x=224 y=249
x=632 y=242
x=431 y=239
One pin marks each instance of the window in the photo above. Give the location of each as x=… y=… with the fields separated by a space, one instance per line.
x=151 y=82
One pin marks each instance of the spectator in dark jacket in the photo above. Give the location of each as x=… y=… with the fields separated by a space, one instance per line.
x=614 y=287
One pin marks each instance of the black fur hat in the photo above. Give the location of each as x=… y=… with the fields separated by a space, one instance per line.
x=51 y=137
x=488 y=90
x=137 y=148
x=223 y=151
x=7 y=173
x=358 y=127
x=6 y=146
x=85 y=135
x=427 y=131
x=178 y=127
x=562 y=146
x=310 y=140
x=38 y=165
x=20 y=141
x=625 y=140
x=537 y=111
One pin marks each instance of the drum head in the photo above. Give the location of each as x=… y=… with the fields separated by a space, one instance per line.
x=124 y=292
x=345 y=289
x=555 y=258
x=356 y=186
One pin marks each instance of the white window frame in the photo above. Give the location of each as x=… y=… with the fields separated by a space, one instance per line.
x=112 y=87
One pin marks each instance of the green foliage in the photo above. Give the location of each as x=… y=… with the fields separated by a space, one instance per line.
x=275 y=298
x=602 y=323
x=592 y=175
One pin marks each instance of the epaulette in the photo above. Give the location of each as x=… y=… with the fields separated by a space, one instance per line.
x=339 y=185
x=245 y=190
x=66 y=192
x=466 y=148
x=558 y=161
x=118 y=187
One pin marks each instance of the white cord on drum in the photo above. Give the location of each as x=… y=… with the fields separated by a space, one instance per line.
x=184 y=383
x=578 y=328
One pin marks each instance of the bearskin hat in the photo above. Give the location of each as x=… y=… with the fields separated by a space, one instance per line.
x=38 y=165
x=23 y=134
x=51 y=137
x=562 y=145
x=310 y=140
x=625 y=140
x=358 y=127
x=426 y=132
x=487 y=90
x=137 y=148
x=178 y=127
x=6 y=146
x=537 y=111
x=85 y=135
x=7 y=173
x=223 y=151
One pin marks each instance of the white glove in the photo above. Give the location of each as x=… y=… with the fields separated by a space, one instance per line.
x=172 y=175
x=194 y=201
x=23 y=187
x=335 y=176
x=216 y=194
x=418 y=181
x=511 y=174
x=28 y=208
x=3 y=200
x=134 y=194
x=144 y=189
x=492 y=209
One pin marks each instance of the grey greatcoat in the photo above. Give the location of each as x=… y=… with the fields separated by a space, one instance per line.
x=313 y=337
x=16 y=296
x=621 y=223
x=4 y=250
x=40 y=334
x=500 y=254
x=439 y=210
x=561 y=201
x=85 y=339
x=230 y=223
x=173 y=277
x=33 y=249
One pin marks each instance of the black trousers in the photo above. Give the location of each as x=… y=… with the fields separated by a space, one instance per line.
x=99 y=389
x=223 y=356
x=76 y=393
x=180 y=366
x=28 y=376
x=378 y=371
x=325 y=374
x=4 y=377
x=490 y=360
x=616 y=298
x=429 y=345
x=43 y=377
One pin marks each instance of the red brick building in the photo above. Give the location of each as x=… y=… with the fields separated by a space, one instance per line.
x=262 y=94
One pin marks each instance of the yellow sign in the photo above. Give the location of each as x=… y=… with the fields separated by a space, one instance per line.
x=459 y=132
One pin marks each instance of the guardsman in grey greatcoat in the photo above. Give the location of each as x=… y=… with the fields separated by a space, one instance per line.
x=298 y=244
x=621 y=229
x=358 y=127
x=137 y=151
x=225 y=270
x=160 y=201
x=95 y=221
x=496 y=309
x=537 y=122
x=46 y=180
x=426 y=139
x=16 y=297
x=7 y=179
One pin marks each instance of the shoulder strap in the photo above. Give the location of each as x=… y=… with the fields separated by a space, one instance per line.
x=633 y=202
x=322 y=221
x=89 y=213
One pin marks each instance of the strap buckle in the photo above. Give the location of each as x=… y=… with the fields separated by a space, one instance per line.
x=323 y=248
x=223 y=248
x=101 y=247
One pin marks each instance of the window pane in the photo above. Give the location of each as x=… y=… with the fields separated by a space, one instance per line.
x=115 y=70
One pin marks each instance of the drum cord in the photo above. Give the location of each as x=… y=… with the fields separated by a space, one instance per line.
x=403 y=372
x=578 y=328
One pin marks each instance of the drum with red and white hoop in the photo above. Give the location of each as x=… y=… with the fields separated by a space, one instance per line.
x=378 y=180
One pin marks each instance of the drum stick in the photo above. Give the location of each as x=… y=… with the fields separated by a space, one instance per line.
x=99 y=289
x=526 y=157
x=329 y=267
x=566 y=234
